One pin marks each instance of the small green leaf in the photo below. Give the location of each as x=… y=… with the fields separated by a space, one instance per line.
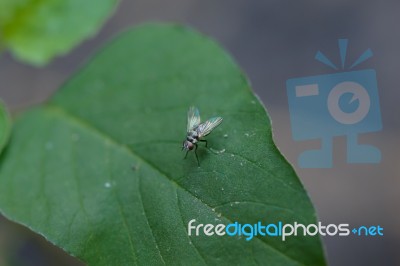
x=5 y=126
x=99 y=170
x=37 y=30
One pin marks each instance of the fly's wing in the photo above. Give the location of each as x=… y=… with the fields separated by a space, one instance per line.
x=205 y=128
x=193 y=118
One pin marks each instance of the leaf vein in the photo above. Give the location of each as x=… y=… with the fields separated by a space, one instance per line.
x=147 y=221
x=181 y=216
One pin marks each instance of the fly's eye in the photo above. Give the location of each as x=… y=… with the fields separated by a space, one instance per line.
x=189 y=145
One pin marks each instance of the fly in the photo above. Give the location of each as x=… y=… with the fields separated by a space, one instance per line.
x=196 y=131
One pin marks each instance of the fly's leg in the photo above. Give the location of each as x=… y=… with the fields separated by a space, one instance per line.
x=195 y=152
x=203 y=140
x=186 y=154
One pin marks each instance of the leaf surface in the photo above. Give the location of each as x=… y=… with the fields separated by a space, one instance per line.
x=37 y=30
x=99 y=169
x=5 y=126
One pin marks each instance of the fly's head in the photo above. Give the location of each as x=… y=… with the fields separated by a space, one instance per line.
x=187 y=145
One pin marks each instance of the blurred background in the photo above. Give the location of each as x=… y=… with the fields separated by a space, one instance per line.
x=272 y=41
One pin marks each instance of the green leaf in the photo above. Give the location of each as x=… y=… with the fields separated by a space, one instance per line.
x=37 y=30
x=5 y=126
x=99 y=170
